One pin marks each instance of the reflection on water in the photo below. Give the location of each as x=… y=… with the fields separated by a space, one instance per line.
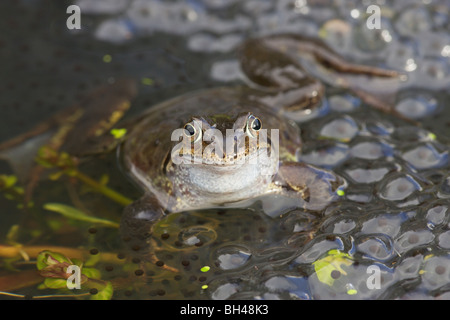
x=394 y=214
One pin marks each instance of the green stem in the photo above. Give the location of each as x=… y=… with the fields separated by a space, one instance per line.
x=113 y=195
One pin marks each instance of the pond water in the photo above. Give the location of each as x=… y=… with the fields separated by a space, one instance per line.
x=387 y=238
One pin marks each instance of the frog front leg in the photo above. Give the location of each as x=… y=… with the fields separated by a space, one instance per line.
x=313 y=188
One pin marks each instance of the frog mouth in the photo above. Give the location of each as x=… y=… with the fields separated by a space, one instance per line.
x=236 y=158
x=227 y=176
x=220 y=158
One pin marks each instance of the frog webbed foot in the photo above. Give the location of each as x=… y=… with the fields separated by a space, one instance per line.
x=314 y=188
x=137 y=222
x=288 y=66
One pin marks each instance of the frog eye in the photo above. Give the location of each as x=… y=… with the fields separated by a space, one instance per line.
x=192 y=131
x=254 y=124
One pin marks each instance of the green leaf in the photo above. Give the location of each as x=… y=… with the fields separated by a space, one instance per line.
x=53 y=283
x=205 y=269
x=147 y=81
x=77 y=262
x=92 y=260
x=12 y=234
x=118 y=133
x=107 y=58
x=105 y=294
x=8 y=180
x=332 y=262
x=351 y=291
x=91 y=273
x=432 y=136
x=73 y=213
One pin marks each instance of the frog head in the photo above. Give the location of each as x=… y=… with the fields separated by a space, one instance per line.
x=224 y=154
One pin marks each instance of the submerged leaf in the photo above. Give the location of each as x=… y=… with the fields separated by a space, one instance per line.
x=105 y=293
x=73 y=213
x=205 y=269
x=12 y=234
x=326 y=268
x=91 y=273
x=147 y=81
x=7 y=181
x=52 y=283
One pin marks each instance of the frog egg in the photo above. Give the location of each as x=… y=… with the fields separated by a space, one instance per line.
x=436 y=272
x=343 y=103
x=412 y=239
x=319 y=249
x=379 y=247
x=388 y=224
x=115 y=31
x=367 y=176
x=359 y=197
x=343 y=226
x=434 y=73
x=409 y=268
x=436 y=215
x=425 y=157
x=435 y=69
x=222 y=290
x=371 y=150
x=434 y=44
x=444 y=189
x=232 y=257
x=417 y=107
x=402 y=56
x=444 y=240
x=337 y=33
x=413 y=21
x=341 y=129
x=328 y=157
x=209 y=43
x=373 y=40
x=297 y=287
x=398 y=187
x=257 y=8
x=107 y=7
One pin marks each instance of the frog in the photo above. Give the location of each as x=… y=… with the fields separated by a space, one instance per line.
x=191 y=170
x=278 y=92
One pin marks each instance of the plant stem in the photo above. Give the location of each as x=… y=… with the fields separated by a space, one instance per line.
x=113 y=195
